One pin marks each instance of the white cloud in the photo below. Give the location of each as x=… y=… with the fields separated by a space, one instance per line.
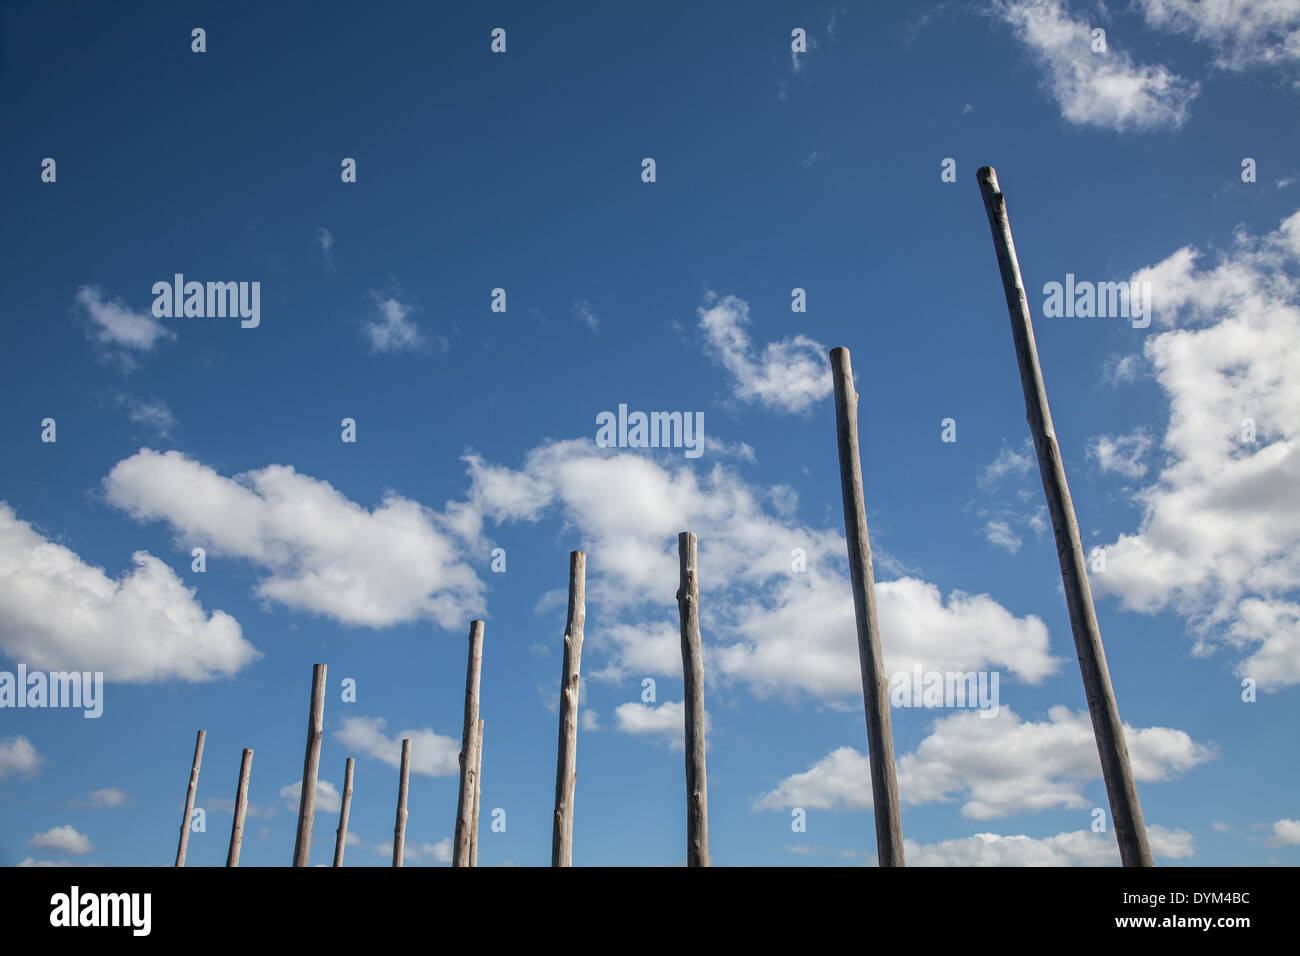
x=31 y=861
x=328 y=799
x=1077 y=848
x=1000 y=535
x=1121 y=454
x=1287 y=831
x=1095 y=89
x=412 y=852
x=996 y=766
x=63 y=839
x=764 y=624
x=59 y=613
x=393 y=330
x=1242 y=33
x=786 y=376
x=153 y=414
x=665 y=722
x=583 y=312
x=432 y=754
x=118 y=328
x=1219 y=537
x=325 y=239
x=321 y=552
x=1009 y=462
x=110 y=798
x=17 y=755
x=590 y=720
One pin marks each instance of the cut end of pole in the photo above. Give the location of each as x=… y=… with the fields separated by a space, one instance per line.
x=841 y=366
x=988 y=180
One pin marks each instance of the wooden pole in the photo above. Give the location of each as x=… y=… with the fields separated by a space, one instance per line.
x=241 y=808
x=468 y=770
x=478 y=794
x=341 y=834
x=399 y=830
x=310 y=767
x=184 y=845
x=880 y=738
x=566 y=765
x=1125 y=809
x=697 y=786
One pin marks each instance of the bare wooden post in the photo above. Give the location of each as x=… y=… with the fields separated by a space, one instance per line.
x=566 y=765
x=341 y=834
x=399 y=830
x=880 y=738
x=697 y=786
x=310 y=767
x=478 y=793
x=468 y=771
x=241 y=808
x=184 y=845
x=1125 y=810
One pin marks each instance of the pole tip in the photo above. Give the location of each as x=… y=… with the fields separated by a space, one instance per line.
x=988 y=179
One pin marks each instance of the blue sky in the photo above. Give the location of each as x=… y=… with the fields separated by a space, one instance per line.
x=476 y=428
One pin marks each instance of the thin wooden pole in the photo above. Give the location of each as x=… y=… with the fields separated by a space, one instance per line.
x=1126 y=811
x=241 y=808
x=310 y=767
x=399 y=830
x=184 y=845
x=341 y=834
x=468 y=771
x=478 y=794
x=880 y=738
x=566 y=764
x=697 y=785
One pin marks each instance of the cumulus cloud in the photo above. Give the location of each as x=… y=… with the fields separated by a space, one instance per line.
x=320 y=551
x=1077 y=848
x=17 y=755
x=1287 y=831
x=1242 y=33
x=117 y=328
x=1121 y=454
x=995 y=766
x=59 y=613
x=1105 y=90
x=790 y=375
x=1219 y=537
x=665 y=722
x=64 y=839
x=328 y=799
x=432 y=754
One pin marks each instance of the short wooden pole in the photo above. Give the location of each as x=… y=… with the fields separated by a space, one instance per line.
x=1126 y=811
x=566 y=765
x=341 y=834
x=697 y=787
x=880 y=738
x=241 y=808
x=468 y=771
x=310 y=768
x=399 y=830
x=184 y=844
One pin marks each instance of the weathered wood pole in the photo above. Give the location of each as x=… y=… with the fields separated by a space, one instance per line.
x=310 y=768
x=341 y=834
x=1125 y=810
x=184 y=845
x=241 y=809
x=697 y=786
x=880 y=738
x=468 y=771
x=478 y=794
x=399 y=830
x=566 y=764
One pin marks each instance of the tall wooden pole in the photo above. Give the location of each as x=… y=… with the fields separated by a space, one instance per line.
x=880 y=738
x=310 y=767
x=399 y=830
x=478 y=794
x=341 y=834
x=468 y=771
x=697 y=786
x=1125 y=809
x=566 y=764
x=184 y=845
x=241 y=808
